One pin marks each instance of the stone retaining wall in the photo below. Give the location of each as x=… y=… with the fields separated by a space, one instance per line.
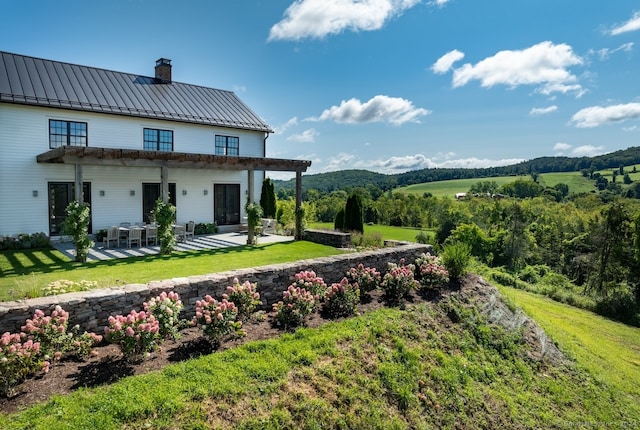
x=91 y=309
x=337 y=239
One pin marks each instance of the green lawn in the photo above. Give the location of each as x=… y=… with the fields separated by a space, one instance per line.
x=576 y=182
x=25 y=272
x=453 y=186
x=609 y=350
x=387 y=232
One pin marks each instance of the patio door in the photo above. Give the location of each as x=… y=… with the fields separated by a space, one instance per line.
x=150 y=194
x=60 y=195
x=226 y=203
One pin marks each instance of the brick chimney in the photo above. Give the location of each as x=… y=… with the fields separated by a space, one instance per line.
x=163 y=70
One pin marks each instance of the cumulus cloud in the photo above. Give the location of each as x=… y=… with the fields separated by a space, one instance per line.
x=406 y=163
x=445 y=63
x=543 y=111
x=561 y=146
x=587 y=151
x=319 y=18
x=392 y=110
x=631 y=25
x=595 y=116
x=545 y=64
x=307 y=136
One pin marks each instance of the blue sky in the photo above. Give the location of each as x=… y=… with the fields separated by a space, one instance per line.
x=382 y=85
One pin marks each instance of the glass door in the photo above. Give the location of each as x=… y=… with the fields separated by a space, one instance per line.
x=226 y=204
x=60 y=195
x=151 y=194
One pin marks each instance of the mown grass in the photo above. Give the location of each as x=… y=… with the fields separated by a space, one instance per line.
x=576 y=182
x=609 y=350
x=389 y=369
x=26 y=272
x=386 y=232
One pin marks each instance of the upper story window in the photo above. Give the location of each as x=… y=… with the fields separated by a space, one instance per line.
x=63 y=133
x=227 y=145
x=158 y=140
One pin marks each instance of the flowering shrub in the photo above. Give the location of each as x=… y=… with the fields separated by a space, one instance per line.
x=53 y=336
x=166 y=308
x=341 y=298
x=65 y=286
x=244 y=296
x=308 y=280
x=430 y=271
x=367 y=278
x=294 y=308
x=398 y=282
x=18 y=360
x=217 y=318
x=135 y=334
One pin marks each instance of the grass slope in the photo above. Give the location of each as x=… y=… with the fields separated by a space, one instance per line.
x=415 y=368
x=385 y=231
x=27 y=271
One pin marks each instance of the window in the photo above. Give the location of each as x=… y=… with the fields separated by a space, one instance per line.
x=62 y=133
x=158 y=140
x=227 y=145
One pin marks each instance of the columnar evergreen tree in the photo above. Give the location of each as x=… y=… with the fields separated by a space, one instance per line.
x=268 y=198
x=353 y=214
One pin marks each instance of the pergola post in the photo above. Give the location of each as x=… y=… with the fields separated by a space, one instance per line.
x=298 y=214
x=79 y=195
x=164 y=188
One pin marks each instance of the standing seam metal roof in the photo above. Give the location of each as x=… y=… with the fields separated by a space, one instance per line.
x=35 y=81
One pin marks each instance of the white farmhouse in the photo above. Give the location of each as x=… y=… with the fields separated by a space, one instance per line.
x=120 y=141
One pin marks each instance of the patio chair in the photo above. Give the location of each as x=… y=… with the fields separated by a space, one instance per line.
x=191 y=229
x=181 y=233
x=124 y=231
x=113 y=234
x=151 y=234
x=268 y=225
x=135 y=235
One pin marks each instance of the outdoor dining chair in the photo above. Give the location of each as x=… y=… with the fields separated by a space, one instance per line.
x=135 y=235
x=113 y=234
x=151 y=234
x=191 y=228
x=181 y=233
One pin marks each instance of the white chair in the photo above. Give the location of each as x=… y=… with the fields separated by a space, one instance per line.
x=113 y=234
x=181 y=233
x=151 y=233
x=135 y=235
x=190 y=231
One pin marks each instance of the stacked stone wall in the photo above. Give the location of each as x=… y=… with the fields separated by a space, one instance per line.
x=91 y=309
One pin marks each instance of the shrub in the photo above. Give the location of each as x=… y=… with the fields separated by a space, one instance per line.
x=55 y=340
x=295 y=307
x=63 y=286
x=456 y=257
x=244 y=296
x=503 y=278
x=76 y=224
x=165 y=215
x=166 y=309
x=205 y=228
x=312 y=283
x=366 y=240
x=136 y=334
x=367 y=278
x=18 y=361
x=338 y=222
x=430 y=271
x=398 y=282
x=217 y=318
x=423 y=237
x=341 y=299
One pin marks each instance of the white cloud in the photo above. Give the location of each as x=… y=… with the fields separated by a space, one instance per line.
x=587 y=151
x=284 y=127
x=595 y=116
x=632 y=25
x=439 y=2
x=406 y=163
x=561 y=146
x=239 y=88
x=319 y=18
x=444 y=63
x=632 y=128
x=543 y=111
x=307 y=136
x=605 y=53
x=393 y=110
x=544 y=64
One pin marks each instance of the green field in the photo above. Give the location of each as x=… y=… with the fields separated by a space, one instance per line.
x=386 y=232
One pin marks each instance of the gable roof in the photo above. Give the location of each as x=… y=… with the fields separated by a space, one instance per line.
x=35 y=81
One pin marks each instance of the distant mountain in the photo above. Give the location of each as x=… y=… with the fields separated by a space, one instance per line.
x=348 y=179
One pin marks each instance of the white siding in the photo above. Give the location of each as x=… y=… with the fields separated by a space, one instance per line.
x=24 y=134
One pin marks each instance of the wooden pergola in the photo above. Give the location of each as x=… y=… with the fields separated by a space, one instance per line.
x=80 y=156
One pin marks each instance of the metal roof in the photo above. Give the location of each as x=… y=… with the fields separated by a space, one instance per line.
x=35 y=81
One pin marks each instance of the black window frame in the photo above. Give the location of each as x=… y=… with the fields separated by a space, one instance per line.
x=227 y=145
x=152 y=139
x=67 y=133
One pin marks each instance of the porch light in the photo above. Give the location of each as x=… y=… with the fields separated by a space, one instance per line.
x=34 y=193
x=184 y=192
x=205 y=192
x=132 y=192
x=101 y=193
